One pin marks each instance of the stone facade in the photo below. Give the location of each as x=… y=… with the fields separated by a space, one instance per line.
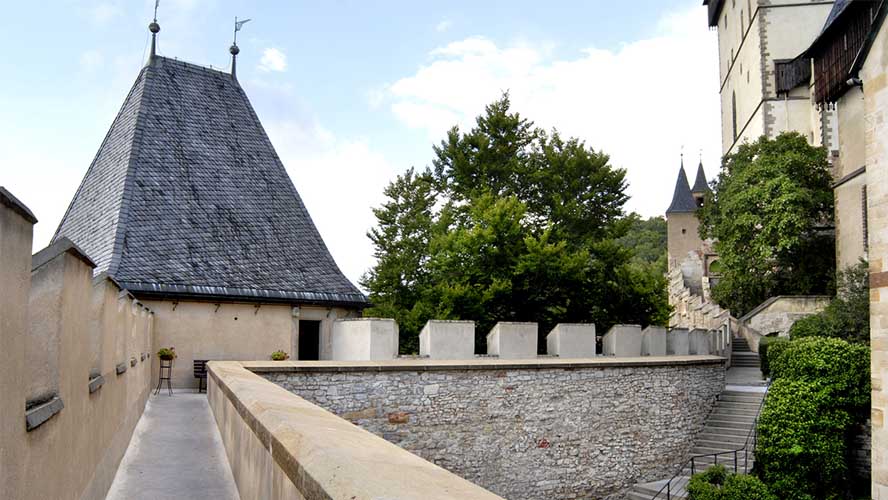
x=541 y=432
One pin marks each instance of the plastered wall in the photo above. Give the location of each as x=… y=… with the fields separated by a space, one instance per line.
x=235 y=331
x=72 y=452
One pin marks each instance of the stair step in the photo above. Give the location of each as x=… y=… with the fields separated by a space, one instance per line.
x=720 y=414
x=720 y=443
x=734 y=440
x=738 y=405
x=744 y=426
x=736 y=410
x=713 y=428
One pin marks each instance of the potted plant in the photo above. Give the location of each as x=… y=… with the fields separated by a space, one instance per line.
x=167 y=353
x=279 y=356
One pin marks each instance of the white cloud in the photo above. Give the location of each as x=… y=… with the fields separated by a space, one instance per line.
x=340 y=181
x=443 y=26
x=273 y=60
x=639 y=103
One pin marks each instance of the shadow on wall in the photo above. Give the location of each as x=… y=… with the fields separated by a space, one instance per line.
x=77 y=370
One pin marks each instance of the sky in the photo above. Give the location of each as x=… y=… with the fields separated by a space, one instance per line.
x=352 y=93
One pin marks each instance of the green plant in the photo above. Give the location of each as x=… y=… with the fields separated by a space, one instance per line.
x=706 y=485
x=837 y=368
x=764 y=345
x=847 y=315
x=715 y=483
x=167 y=353
x=745 y=487
x=773 y=351
x=800 y=453
x=279 y=356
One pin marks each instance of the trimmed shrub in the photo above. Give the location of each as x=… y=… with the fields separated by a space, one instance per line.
x=774 y=351
x=839 y=369
x=800 y=452
x=764 y=345
x=716 y=484
x=745 y=487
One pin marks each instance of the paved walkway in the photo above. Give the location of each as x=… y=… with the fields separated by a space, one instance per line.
x=176 y=452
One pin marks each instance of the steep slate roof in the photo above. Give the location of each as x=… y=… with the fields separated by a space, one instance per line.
x=682 y=199
x=187 y=197
x=700 y=184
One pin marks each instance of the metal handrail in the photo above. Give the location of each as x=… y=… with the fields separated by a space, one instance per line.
x=753 y=434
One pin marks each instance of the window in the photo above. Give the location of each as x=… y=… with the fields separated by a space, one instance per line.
x=864 y=223
x=683 y=230
x=734 y=113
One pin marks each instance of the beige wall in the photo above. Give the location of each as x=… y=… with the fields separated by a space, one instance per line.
x=875 y=77
x=234 y=331
x=781 y=29
x=682 y=236
x=74 y=454
x=849 y=210
x=280 y=446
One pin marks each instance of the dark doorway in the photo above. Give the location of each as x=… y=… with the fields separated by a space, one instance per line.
x=309 y=340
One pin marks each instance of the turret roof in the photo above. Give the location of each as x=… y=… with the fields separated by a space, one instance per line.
x=187 y=197
x=682 y=199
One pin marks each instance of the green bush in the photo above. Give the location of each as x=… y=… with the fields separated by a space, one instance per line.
x=279 y=356
x=773 y=352
x=745 y=487
x=847 y=315
x=833 y=366
x=800 y=452
x=716 y=484
x=764 y=345
x=706 y=485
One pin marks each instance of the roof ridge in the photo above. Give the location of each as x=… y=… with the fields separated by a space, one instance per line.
x=190 y=65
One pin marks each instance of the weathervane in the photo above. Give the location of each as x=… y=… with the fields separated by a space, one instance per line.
x=234 y=48
x=154 y=28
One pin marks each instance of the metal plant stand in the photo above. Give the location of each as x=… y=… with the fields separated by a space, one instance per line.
x=166 y=371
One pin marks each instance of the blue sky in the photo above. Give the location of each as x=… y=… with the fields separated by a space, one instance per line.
x=353 y=93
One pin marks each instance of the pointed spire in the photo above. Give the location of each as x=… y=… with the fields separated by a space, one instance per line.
x=682 y=199
x=701 y=187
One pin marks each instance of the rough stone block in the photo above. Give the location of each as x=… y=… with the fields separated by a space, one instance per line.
x=653 y=341
x=364 y=339
x=699 y=341
x=440 y=339
x=677 y=342
x=513 y=340
x=622 y=341
x=571 y=340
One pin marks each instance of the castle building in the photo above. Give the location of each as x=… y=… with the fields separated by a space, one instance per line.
x=753 y=45
x=827 y=61
x=188 y=206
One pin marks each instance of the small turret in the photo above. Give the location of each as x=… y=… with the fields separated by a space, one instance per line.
x=701 y=187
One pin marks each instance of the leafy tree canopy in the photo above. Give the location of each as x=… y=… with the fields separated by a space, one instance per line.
x=511 y=223
x=770 y=213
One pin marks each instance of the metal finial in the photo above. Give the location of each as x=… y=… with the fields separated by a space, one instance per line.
x=154 y=28
x=234 y=49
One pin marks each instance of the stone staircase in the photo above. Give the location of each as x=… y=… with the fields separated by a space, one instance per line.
x=726 y=429
x=742 y=356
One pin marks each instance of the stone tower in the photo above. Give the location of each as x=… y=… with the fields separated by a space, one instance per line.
x=681 y=217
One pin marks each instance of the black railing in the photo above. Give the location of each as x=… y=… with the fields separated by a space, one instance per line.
x=748 y=445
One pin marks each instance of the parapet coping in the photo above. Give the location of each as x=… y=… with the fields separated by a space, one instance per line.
x=414 y=364
x=16 y=205
x=764 y=305
x=324 y=455
x=60 y=246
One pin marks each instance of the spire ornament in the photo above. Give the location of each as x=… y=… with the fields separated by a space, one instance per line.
x=234 y=49
x=154 y=28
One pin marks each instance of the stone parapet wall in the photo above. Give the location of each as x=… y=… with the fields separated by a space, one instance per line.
x=524 y=429
x=77 y=370
x=281 y=446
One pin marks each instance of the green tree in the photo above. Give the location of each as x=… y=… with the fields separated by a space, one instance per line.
x=647 y=238
x=511 y=224
x=770 y=213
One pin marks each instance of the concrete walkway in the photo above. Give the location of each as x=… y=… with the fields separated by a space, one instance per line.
x=175 y=452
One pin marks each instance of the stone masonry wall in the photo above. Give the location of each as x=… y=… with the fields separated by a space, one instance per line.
x=538 y=433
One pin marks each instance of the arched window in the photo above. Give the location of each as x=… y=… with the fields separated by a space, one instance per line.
x=734 y=113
